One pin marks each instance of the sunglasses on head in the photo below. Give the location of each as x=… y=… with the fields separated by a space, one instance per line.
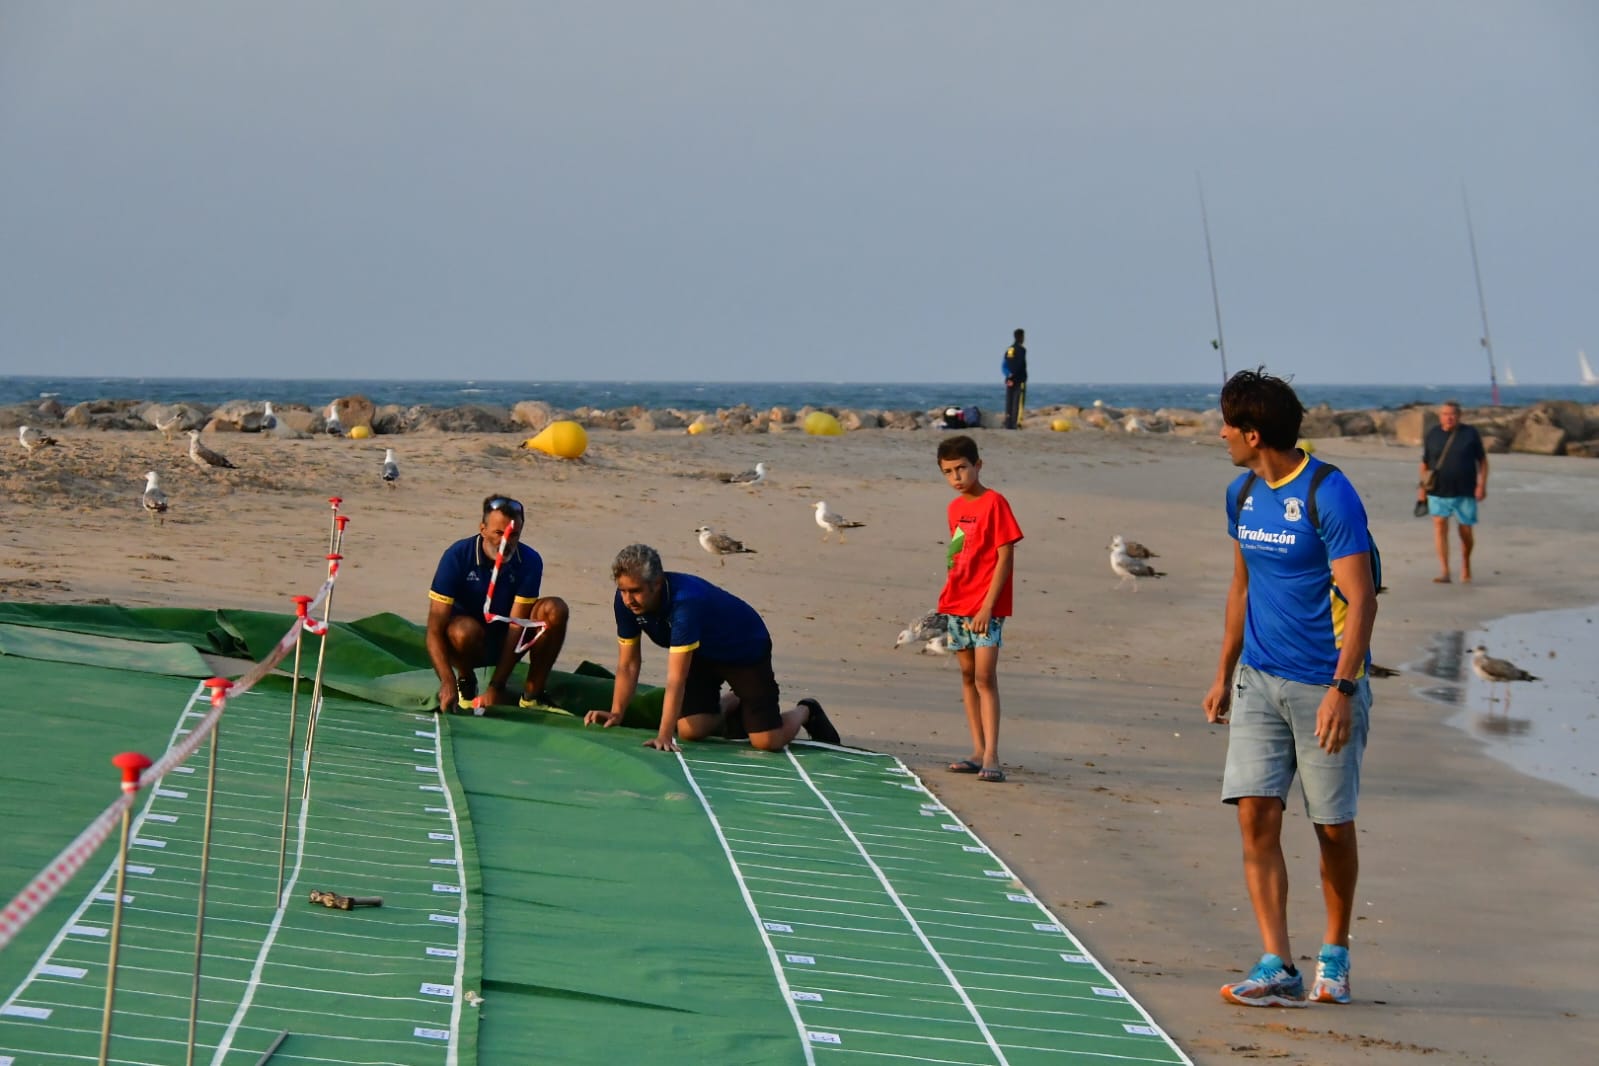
x=504 y=504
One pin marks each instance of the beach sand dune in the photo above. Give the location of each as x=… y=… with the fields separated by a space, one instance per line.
x=1476 y=917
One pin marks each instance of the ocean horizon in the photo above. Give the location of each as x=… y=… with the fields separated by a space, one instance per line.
x=708 y=395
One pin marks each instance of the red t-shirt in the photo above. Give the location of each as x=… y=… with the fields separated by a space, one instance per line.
x=977 y=530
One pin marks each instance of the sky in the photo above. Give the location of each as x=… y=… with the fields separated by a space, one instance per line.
x=827 y=190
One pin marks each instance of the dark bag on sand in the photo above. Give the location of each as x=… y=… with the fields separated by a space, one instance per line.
x=1420 y=510
x=966 y=417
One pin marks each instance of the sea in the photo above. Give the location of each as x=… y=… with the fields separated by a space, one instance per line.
x=710 y=395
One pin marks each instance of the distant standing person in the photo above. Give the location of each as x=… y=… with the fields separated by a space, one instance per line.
x=1454 y=477
x=1291 y=681
x=976 y=599
x=712 y=638
x=1015 y=366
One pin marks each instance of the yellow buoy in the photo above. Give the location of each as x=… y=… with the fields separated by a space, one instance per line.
x=1060 y=425
x=822 y=424
x=1306 y=446
x=564 y=440
x=696 y=428
x=360 y=432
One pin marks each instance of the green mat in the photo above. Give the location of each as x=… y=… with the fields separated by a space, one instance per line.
x=550 y=893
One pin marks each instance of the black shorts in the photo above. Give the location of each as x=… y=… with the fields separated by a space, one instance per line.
x=753 y=683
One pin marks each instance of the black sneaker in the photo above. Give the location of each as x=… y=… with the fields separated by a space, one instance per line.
x=466 y=689
x=817 y=725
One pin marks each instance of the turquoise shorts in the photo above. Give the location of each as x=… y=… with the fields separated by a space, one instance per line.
x=1272 y=736
x=1462 y=508
x=961 y=636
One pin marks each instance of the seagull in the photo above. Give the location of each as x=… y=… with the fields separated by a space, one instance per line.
x=269 y=419
x=335 y=427
x=720 y=544
x=833 y=522
x=155 y=501
x=171 y=425
x=1132 y=547
x=938 y=645
x=930 y=625
x=748 y=477
x=204 y=457
x=391 y=469
x=1129 y=567
x=1492 y=670
x=32 y=439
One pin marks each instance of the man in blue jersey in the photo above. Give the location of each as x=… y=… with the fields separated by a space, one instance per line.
x=1291 y=682
x=460 y=639
x=1014 y=365
x=712 y=638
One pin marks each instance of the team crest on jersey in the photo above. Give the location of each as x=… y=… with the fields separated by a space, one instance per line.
x=1292 y=509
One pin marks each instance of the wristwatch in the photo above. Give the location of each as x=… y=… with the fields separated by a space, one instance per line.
x=1344 y=685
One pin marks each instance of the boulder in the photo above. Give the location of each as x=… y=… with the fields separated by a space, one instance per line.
x=781 y=415
x=1586 y=449
x=900 y=420
x=354 y=411
x=390 y=418
x=1321 y=422
x=1539 y=438
x=853 y=420
x=1410 y=426
x=534 y=414
x=104 y=414
x=176 y=417
x=50 y=408
x=472 y=418
x=666 y=418
x=1356 y=423
x=1567 y=414
x=1494 y=444
x=238 y=416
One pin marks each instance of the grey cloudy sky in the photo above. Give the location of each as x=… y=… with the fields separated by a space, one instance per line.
x=851 y=190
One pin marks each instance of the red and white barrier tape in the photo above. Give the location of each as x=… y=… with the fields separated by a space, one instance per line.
x=531 y=630
x=48 y=882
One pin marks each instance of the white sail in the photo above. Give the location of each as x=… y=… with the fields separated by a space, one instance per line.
x=1588 y=376
x=1510 y=375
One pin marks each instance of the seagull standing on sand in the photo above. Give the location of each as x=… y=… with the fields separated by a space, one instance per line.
x=1130 y=567
x=269 y=419
x=747 y=477
x=923 y=629
x=391 y=469
x=1496 y=670
x=32 y=440
x=833 y=522
x=204 y=457
x=171 y=426
x=1132 y=547
x=720 y=544
x=335 y=427
x=154 y=500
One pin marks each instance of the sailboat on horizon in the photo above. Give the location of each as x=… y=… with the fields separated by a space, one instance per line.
x=1588 y=376
x=1510 y=376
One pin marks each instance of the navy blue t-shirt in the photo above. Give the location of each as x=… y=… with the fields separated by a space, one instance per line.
x=1294 y=622
x=462 y=579
x=697 y=616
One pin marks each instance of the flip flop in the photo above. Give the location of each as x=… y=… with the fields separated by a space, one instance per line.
x=966 y=766
x=991 y=773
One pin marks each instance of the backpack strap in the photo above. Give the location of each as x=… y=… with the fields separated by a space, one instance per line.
x=1317 y=476
x=1243 y=494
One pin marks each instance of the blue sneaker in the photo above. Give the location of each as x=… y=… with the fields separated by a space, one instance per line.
x=1332 y=975
x=1269 y=984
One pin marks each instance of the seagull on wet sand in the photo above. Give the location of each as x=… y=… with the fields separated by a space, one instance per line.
x=391 y=469
x=1129 y=567
x=32 y=439
x=1132 y=548
x=204 y=457
x=833 y=522
x=747 y=477
x=930 y=625
x=1496 y=670
x=720 y=544
x=154 y=500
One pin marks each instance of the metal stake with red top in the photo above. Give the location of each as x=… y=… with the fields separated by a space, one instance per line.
x=132 y=764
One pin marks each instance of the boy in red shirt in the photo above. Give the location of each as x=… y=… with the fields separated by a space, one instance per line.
x=977 y=596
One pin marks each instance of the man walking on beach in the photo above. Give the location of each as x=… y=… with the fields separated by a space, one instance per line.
x=1291 y=681
x=712 y=638
x=459 y=637
x=1454 y=478
x=1015 y=367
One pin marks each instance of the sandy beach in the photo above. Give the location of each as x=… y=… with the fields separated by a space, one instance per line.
x=1476 y=917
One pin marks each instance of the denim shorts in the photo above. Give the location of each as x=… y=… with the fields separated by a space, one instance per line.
x=961 y=636
x=1462 y=508
x=1273 y=735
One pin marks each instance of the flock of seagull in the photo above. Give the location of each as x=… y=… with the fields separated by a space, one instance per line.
x=153 y=499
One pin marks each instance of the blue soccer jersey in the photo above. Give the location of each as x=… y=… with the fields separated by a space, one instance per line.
x=696 y=616
x=462 y=579
x=1294 y=623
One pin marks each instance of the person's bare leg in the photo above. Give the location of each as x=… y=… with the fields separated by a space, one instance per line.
x=778 y=739
x=1340 y=869
x=986 y=681
x=972 y=702
x=1260 y=823
x=1468 y=540
x=1440 y=543
x=552 y=611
